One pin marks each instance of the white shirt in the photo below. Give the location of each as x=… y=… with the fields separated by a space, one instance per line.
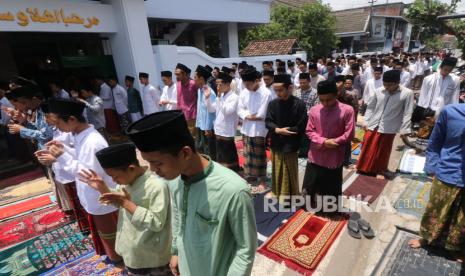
x=367 y=75
x=296 y=80
x=438 y=91
x=61 y=175
x=170 y=93
x=150 y=99
x=225 y=107
x=405 y=78
x=272 y=92
x=86 y=144
x=420 y=68
x=94 y=112
x=370 y=88
x=121 y=99
x=107 y=96
x=390 y=113
x=63 y=94
x=4 y=102
x=315 y=80
x=254 y=103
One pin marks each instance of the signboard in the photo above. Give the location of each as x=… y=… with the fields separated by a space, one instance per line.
x=56 y=16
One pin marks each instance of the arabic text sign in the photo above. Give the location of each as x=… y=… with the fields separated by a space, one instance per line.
x=56 y=17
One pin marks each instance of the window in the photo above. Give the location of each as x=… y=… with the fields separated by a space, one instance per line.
x=378 y=28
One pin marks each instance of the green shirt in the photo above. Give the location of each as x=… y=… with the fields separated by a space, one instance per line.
x=134 y=101
x=214 y=231
x=144 y=238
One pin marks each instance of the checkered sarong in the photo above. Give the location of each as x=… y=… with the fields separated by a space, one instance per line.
x=255 y=157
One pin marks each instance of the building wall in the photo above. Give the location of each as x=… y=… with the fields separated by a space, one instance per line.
x=249 y=11
x=167 y=56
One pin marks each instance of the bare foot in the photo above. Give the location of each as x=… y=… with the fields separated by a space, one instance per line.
x=416 y=243
x=380 y=176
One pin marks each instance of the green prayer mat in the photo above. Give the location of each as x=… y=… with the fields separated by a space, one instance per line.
x=44 y=252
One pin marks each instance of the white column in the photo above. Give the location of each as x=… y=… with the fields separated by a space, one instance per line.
x=233 y=39
x=131 y=45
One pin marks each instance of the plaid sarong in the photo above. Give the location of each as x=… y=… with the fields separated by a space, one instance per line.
x=255 y=157
x=285 y=173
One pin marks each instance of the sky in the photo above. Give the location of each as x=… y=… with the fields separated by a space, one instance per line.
x=347 y=4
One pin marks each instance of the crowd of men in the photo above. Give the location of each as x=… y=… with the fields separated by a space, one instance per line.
x=199 y=200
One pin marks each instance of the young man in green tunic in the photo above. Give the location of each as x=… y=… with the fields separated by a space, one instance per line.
x=214 y=230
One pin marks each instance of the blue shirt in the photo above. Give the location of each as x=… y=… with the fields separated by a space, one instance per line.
x=204 y=119
x=39 y=130
x=445 y=154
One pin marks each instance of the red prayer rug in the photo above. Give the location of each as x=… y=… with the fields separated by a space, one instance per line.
x=15 y=209
x=368 y=188
x=303 y=241
x=23 y=177
x=31 y=225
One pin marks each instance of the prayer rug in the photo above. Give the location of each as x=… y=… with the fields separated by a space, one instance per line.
x=414 y=198
x=44 y=252
x=31 y=225
x=17 y=208
x=366 y=188
x=303 y=241
x=400 y=259
x=25 y=190
x=411 y=162
x=359 y=134
x=89 y=264
x=23 y=177
x=268 y=217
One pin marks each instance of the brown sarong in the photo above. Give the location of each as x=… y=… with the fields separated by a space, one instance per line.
x=103 y=229
x=376 y=151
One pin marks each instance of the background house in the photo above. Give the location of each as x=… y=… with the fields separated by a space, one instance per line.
x=380 y=28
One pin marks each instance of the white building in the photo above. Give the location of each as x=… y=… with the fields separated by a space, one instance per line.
x=61 y=38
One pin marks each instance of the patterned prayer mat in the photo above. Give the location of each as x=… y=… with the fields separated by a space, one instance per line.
x=25 y=190
x=401 y=260
x=44 y=252
x=23 y=177
x=414 y=198
x=303 y=241
x=31 y=225
x=366 y=187
x=9 y=211
x=412 y=163
x=89 y=264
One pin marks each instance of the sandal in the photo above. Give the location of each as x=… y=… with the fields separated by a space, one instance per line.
x=352 y=226
x=366 y=229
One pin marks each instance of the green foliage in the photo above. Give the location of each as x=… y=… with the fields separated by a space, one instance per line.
x=434 y=43
x=313 y=25
x=423 y=13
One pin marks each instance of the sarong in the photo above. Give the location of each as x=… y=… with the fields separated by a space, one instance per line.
x=255 y=157
x=322 y=181
x=191 y=127
x=285 y=173
x=226 y=152
x=375 y=153
x=443 y=223
x=79 y=213
x=111 y=119
x=124 y=120
x=206 y=145
x=103 y=229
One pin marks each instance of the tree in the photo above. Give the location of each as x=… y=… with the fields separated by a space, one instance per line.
x=313 y=25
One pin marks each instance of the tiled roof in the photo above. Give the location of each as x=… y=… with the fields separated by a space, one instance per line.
x=269 y=47
x=354 y=20
x=293 y=3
